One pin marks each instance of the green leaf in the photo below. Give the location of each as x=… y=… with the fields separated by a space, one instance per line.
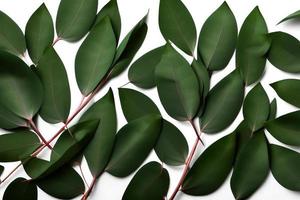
x=75 y=18
x=217 y=39
x=252 y=47
x=285 y=164
x=21 y=188
x=112 y=11
x=9 y=120
x=57 y=96
x=142 y=71
x=65 y=183
x=177 y=85
x=284 y=52
x=177 y=25
x=251 y=167
x=133 y=144
x=288 y=90
x=11 y=37
x=243 y=134
x=17 y=145
x=98 y=151
x=211 y=168
x=273 y=110
x=286 y=128
x=150 y=182
x=223 y=103
x=39 y=33
x=1 y=170
x=292 y=16
x=22 y=96
x=95 y=56
x=256 y=108
x=129 y=47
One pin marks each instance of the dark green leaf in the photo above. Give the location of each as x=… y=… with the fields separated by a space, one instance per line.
x=75 y=18
x=9 y=120
x=212 y=167
x=294 y=15
x=256 y=108
x=98 y=151
x=39 y=33
x=223 y=103
x=57 y=97
x=273 y=110
x=112 y=11
x=129 y=46
x=1 y=170
x=252 y=47
x=286 y=128
x=133 y=144
x=288 y=90
x=244 y=134
x=142 y=71
x=21 y=188
x=17 y=145
x=251 y=167
x=149 y=183
x=177 y=25
x=95 y=56
x=65 y=183
x=177 y=85
x=21 y=90
x=284 y=52
x=11 y=37
x=217 y=39
x=285 y=165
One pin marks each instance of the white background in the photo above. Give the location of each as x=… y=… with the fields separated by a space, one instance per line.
x=110 y=188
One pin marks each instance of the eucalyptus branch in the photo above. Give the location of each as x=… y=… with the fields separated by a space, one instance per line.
x=88 y=192
x=38 y=133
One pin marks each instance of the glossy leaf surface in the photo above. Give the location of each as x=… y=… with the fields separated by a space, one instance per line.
x=21 y=188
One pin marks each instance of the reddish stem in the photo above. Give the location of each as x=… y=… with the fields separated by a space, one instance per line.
x=56 y=40
x=88 y=192
x=196 y=132
x=39 y=134
x=8 y=175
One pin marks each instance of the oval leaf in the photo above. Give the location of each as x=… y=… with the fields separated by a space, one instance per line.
x=211 y=168
x=273 y=110
x=104 y=111
x=95 y=56
x=21 y=188
x=252 y=47
x=285 y=165
x=11 y=37
x=217 y=39
x=251 y=167
x=223 y=103
x=75 y=18
x=294 y=15
x=133 y=144
x=149 y=183
x=256 y=108
x=179 y=96
x=286 y=128
x=177 y=25
x=39 y=33
x=57 y=96
x=9 y=120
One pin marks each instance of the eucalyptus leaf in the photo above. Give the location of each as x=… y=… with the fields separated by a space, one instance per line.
x=142 y=71
x=21 y=188
x=251 y=167
x=243 y=134
x=95 y=56
x=292 y=16
x=177 y=85
x=97 y=153
x=17 y=145
x=285 y=165
x=284 y=52
x=256 y=108
x=21 y=90
x=11 y=37
x=223 y=103
x=57 y=96
x=75 y=18
x=288 y=90
x=286 y=128
x=273 y=110
x=177 y=25
x=9 y=120
x=39 y=33
x=218 y=37
x=149 y=183
x=133 y=144
x=212 y=167
x=252 y=46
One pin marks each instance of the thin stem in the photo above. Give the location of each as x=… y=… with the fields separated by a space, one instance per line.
x=82 y=174
x=56 y=40
x=125 y=84
x=88 y=192
x=196 y=131
x=39 y=134
x=8 y=175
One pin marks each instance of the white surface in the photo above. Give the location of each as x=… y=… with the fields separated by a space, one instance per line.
x=110 y=188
